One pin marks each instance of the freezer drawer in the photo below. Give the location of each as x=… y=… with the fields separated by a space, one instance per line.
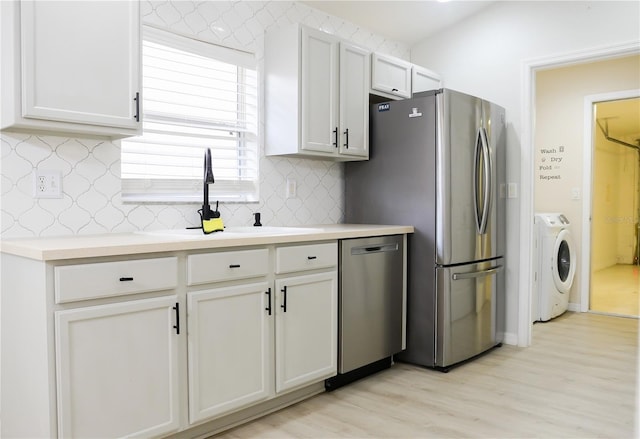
x=371 y=300
x=467 y=322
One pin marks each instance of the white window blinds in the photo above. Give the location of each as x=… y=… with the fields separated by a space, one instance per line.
x=195 y=96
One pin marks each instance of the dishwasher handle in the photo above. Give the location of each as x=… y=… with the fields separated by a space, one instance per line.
x=374 y=248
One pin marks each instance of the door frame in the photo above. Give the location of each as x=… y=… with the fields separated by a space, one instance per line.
x=529 y=71
x=587 y=186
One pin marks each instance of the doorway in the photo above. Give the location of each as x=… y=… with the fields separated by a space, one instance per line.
x=563 y=139
x=615 y=239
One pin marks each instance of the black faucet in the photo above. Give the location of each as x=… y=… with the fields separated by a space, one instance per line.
x=257 y=218
x=207 y=213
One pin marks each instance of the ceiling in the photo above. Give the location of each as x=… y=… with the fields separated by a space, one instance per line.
x=408 y=22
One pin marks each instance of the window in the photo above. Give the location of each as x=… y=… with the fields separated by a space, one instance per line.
x=195 y=96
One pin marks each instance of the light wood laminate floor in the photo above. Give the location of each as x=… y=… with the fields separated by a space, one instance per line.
x=615 y=290
x=577 y=380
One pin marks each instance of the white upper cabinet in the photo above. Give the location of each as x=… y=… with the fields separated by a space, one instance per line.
x=319 y=88
x=395 y=78
x=424 y=79
x=71 y=67
x=354 y=100
x=316 y=95
x=390 y=75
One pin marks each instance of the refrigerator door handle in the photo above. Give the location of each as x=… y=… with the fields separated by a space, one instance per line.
x=487 y=180
x=476 y=274
x=482 y=147
x=476 y=170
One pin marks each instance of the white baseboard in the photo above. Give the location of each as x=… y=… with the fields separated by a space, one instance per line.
x=575 y=307
x=510 y=338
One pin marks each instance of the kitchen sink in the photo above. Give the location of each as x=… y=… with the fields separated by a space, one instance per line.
x=270 y=229
x=229 y=232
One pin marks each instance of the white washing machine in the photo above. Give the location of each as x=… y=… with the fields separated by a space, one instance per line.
x=555 y=266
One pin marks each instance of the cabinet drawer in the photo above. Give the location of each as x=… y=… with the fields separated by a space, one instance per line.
x=306 y=257
x=216 y=267
x=106 y=279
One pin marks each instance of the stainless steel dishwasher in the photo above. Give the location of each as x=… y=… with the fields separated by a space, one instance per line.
x=371 y=303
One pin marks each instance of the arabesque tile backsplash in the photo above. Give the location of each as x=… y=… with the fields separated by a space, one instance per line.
x=91 y=167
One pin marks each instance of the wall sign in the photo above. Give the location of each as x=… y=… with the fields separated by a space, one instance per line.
x=551 y=163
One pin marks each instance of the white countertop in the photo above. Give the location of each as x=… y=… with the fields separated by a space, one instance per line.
x=115 y=244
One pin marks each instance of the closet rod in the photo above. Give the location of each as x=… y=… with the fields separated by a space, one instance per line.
x=611 y=139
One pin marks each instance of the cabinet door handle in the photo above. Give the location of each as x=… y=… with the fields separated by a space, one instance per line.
x=137 y=100
x=177 y=325
x=268 y=308
x=234 y=266
x=284 y=299
x=126 y=279
x=312 y=257
x=394 y=89
x=335 y=134
x=346 y=134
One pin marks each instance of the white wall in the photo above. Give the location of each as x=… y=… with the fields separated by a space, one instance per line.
x=605 y=203
x=615 y=204
x=486 y=55
x=91 y=167
x=627 y=215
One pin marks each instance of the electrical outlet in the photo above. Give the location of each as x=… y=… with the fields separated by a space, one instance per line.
x=47 y=184
x=291 y=188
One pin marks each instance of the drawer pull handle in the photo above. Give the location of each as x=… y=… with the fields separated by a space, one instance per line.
x=234 y=266
x=177 y=325
x=268 y=308
x=312 y=257
x=126 y=279
x=284 y=299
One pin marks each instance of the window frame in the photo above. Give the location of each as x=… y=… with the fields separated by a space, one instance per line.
x=189 y=190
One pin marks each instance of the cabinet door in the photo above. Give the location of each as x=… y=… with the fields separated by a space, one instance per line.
x=354 y=100
x=424 y=79
x=391 y=75
x=306 y=329
x=319 y=91
x=229 y=348
x=117 y=369
x=81 y=61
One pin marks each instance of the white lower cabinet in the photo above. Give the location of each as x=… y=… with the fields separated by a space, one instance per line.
x=251 y=342
x=229 y=348
x=107 y=350
x=306 y=329
x=117 y=369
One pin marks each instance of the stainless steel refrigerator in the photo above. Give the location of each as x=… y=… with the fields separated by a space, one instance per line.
x=437 y=162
